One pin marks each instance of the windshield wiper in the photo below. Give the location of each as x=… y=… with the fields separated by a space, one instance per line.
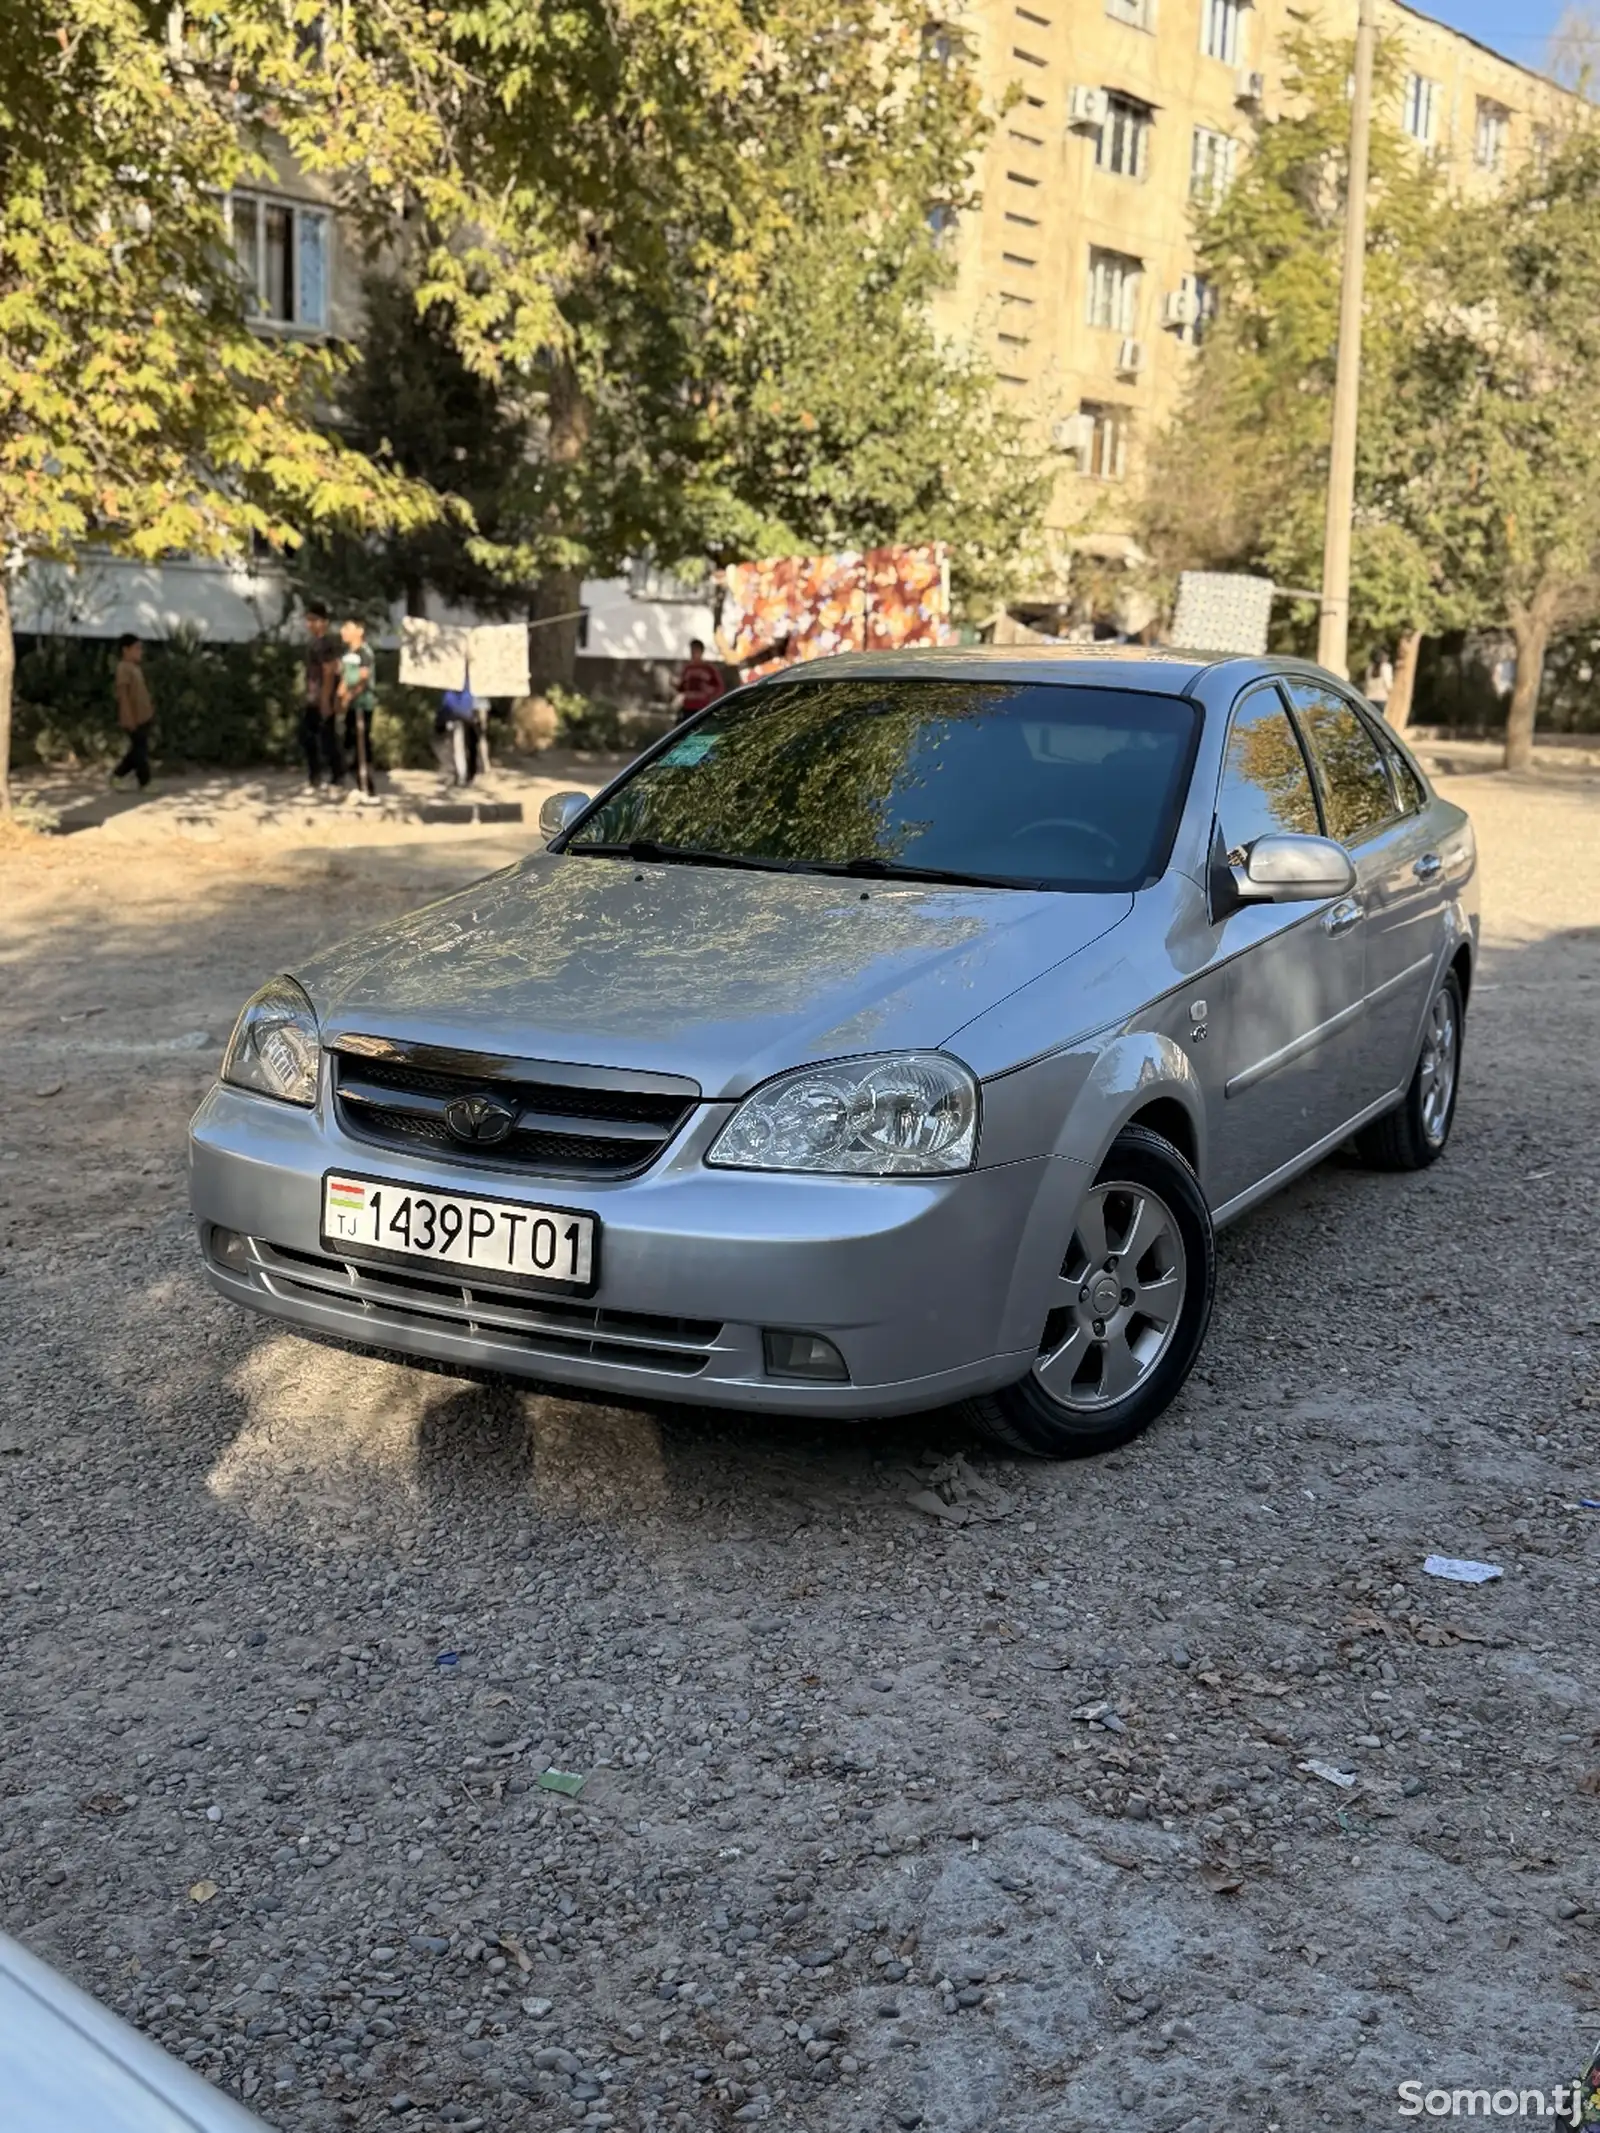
x=866 y=869
x=675 y=855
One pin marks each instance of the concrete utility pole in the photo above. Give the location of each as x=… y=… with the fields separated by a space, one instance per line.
x=1333 y=634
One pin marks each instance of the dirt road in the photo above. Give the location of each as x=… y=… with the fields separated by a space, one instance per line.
x=999 y=1819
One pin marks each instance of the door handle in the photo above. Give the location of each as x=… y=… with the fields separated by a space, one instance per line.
x=1343 y=916
x=1427 y=866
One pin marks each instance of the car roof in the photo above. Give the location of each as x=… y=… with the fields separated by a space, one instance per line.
x=1157 y=668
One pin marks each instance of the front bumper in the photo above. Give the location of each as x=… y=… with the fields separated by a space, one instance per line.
x=932 y=1289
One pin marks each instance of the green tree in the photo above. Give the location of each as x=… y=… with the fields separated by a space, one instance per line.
x=138 y=410
x=745 y=363
x=1507 y=374
x=411 y=402
x=1239 y=479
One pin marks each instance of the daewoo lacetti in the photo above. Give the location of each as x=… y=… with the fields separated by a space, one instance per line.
x=898 y=1031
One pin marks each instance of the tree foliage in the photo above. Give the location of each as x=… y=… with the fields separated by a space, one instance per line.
x=747 y=365
x=138 y=409
x=649 y=279
x=1506 y=375
x=1239 y=480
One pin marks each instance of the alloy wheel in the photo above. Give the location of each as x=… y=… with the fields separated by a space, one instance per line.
x=1118 y=1300
x=1436 y=1086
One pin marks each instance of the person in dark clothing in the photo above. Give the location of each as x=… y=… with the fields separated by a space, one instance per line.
x=319 y=727
x=359 y=697
x=135 y=712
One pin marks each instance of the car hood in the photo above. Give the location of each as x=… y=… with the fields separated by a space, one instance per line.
x=723 y=976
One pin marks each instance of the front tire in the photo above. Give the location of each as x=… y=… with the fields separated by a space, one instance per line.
x=1416 y=1132
x=1132 y=1303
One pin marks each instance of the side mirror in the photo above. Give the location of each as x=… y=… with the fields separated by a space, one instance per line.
x=559 y=812
x=1293 y=870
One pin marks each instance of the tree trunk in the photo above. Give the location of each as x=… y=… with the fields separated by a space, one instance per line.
x=1532 y=634
x=1398 y=709
x=8 y=675
x=553 y=648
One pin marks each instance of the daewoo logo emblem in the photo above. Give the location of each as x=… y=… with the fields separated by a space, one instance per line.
x=479 y=1118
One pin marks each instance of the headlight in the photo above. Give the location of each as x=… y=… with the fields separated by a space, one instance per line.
x=275 y=1049
x=904 y=1114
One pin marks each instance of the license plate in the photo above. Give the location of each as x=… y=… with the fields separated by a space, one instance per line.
x=543 y=1244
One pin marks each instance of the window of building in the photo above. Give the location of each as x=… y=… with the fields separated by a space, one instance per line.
x=1355 y=783
x=282 y=250
x=1025 y=222
x=1103 y=446
x=1222 y=30
x=1489 y=135
x=1015 y=259
x=1030 y=59
x=1020 y=177
x=1114 y=281
x=1202 y=310
x=1123 y=143
x=1138 y=14
x=1211 y=162
x=1041 y=22
x=1542 y=148
x=1028 y=140
x=1266 y=788
x=1418 y=112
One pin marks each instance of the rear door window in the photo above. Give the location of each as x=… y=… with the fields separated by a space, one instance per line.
x=1266 y=788
x=1350 y=767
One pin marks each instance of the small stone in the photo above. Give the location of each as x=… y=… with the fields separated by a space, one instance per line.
x=401 y=2104
x=908 y=2119
x=1180 y=1657
x=1412 y=1786
x=969 y=1996
x=889 y=2010
x=896 y=1973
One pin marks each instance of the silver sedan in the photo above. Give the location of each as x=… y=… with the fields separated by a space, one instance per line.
x=896 y=1032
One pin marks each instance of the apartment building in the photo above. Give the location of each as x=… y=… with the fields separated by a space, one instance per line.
x=1077 y=275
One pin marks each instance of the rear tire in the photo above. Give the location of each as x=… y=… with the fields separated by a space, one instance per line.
x=1417 y=1131
x=1144 y=1231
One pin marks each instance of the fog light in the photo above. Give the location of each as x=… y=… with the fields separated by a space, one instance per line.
x=229 y=1249
x=803 y=1355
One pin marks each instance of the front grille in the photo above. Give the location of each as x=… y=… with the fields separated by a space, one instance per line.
x=377 y=1297
x=568 y=1121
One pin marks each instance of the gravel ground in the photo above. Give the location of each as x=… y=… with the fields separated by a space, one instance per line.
x=922 y=1788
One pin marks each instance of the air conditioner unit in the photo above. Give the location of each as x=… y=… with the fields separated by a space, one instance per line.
x=1071 y=433
x=1249 y=86
x=1179 y=307
x=1130 y=358
x=1086 y=106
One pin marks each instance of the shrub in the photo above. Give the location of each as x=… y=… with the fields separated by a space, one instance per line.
x=231 y=705
x=586 y=722
x=228 y=704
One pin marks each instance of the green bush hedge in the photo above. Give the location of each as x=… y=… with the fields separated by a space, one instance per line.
x=228 y=705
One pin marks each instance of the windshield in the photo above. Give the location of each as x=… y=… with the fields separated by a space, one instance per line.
x=1032 y=783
